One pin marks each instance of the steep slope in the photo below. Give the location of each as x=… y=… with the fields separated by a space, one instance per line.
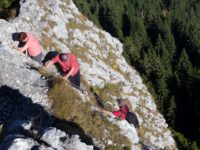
x=25 y=110
x=60 y=26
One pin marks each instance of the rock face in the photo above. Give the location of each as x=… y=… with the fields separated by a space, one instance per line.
x=60 y=26
x=59 y=140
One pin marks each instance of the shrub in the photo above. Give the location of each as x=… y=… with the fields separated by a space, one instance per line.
x=5 y=3
x=107 y=94
x=184 y=143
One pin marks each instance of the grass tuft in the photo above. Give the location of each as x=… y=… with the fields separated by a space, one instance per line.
x=75 y=25
x=68 y=105
x=43 y=71
x=107 y=92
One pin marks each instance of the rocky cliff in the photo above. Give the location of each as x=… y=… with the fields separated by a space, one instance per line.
x=25 y=108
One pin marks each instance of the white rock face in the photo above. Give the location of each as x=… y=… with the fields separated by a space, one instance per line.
x=18 y=142
x=59 y=140
x=14 y=72
x=100 y=57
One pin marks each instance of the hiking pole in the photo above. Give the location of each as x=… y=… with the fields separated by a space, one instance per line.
x=35 y=85
x=80 y=89
x=99 y=100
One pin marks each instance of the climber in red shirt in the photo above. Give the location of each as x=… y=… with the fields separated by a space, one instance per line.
x=121 y=113
x=70 y=67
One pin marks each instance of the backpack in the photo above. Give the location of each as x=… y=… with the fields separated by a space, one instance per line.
x=132 y=119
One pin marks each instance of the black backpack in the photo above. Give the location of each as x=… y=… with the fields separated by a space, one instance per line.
x=132 y=119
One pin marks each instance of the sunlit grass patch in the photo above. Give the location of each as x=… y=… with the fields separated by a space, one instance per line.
x=108 y=94
x=44 y=72
x=48 y=43
x=80 y=52
x=68 y=105
x=41 y=3
x=74 y=25
x=112 y=61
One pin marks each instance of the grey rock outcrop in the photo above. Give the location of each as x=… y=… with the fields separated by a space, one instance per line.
x=17 y=142
x=51 y=139
x=59 y=140
x=25 y=109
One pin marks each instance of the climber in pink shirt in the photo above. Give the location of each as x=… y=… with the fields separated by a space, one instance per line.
x=32 y=45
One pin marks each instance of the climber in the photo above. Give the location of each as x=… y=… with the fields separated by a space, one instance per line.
x=70 y=67
x=123 y=113
x=31 y=45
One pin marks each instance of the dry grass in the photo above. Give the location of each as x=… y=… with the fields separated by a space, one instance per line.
x=82 y=17
x=142 y=132
x=47 y=42
x=67 y=98
x=146 y=129
x=41 y=3
x=68 y=105
x=112 y=61
x=107 y=93
x=80 y=52
x=63 y=6
x=46 y=29
x=51 y=24
x=44 y=72
x=74 y=25
x=44 y=18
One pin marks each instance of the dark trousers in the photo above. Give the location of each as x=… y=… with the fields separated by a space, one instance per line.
x=38 y=58
x=75 y=80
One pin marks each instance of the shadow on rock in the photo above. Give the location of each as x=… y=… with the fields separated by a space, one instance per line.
x=15 y=106
x=20 y=116
x=72 y=128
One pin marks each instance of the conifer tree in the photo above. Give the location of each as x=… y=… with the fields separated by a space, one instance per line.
x=5 y=3
x=184 y=69
x=162 y=41
x=170 y=112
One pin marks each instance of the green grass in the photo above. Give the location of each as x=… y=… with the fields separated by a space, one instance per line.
x=5 y=3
